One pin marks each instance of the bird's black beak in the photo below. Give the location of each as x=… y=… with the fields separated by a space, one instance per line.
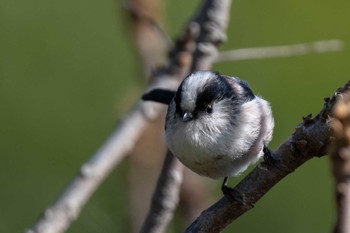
x=187 y=116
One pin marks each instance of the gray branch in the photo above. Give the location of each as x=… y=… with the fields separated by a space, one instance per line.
x=278 y=51
x=311 y=138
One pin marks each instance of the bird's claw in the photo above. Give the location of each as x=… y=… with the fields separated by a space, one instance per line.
x=271 y=159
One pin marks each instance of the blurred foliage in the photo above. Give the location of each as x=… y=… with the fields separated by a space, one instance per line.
x=68 y=72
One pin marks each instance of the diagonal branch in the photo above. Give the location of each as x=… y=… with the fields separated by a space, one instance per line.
x=311 y=138
x=67 y=207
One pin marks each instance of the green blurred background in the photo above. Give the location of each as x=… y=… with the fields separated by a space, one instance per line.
x=69 y=71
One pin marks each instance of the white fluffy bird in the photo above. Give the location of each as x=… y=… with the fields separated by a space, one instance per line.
x=215 y=125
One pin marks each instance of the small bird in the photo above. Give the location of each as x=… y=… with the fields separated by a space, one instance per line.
x=215 y=125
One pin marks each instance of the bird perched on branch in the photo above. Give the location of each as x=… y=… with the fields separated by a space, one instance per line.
x=215 y=125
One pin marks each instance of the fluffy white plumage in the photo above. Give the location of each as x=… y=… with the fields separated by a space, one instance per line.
x=228 y=126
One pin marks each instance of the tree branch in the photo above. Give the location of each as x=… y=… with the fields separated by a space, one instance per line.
x=208 y=31
x=212 y=22
x=166 y=198
x=311 y=138
x=340 y=156
x=321 y=46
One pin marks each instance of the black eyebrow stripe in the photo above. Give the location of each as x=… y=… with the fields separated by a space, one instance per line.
x=215 y=90
x=178 y=99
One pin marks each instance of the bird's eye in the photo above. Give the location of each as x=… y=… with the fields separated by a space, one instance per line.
x=209 y=109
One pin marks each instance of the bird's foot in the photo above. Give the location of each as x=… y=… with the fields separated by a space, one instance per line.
x=271 y=159
x=231 y=193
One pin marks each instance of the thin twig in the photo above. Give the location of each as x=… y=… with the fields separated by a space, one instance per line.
x=311 y=138
x=340 y=156
x=321 y=46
